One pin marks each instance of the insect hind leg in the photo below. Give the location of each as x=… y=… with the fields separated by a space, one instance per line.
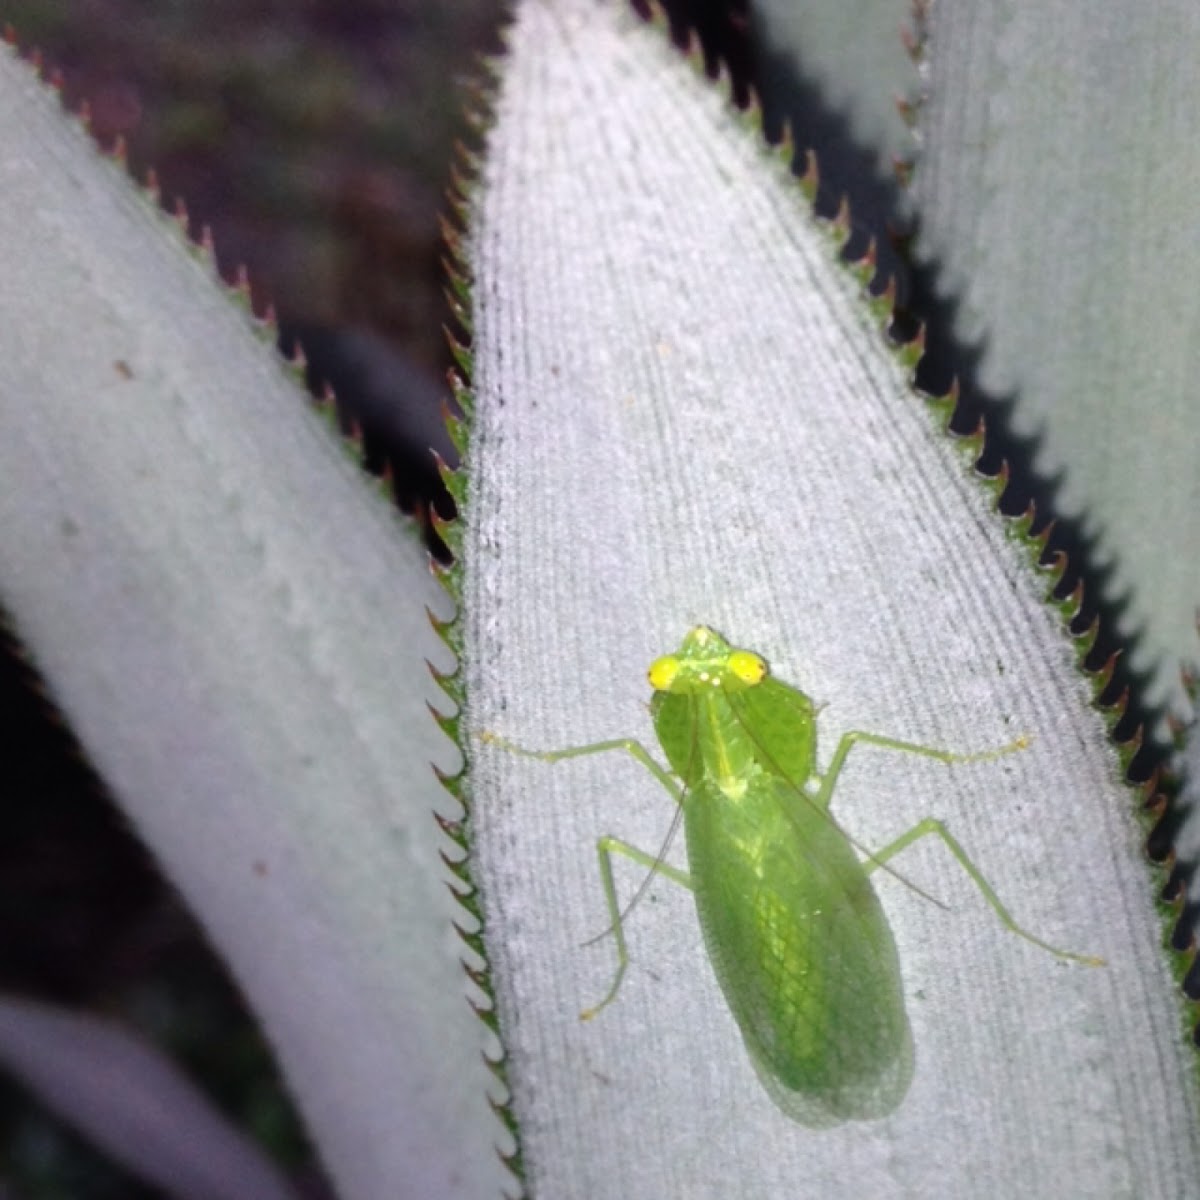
x=932 y=826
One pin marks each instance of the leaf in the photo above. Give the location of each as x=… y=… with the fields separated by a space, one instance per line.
x=856 y=54
x=686 y=412
x=1057 y=192
x=235 y=628
x=129 y=1098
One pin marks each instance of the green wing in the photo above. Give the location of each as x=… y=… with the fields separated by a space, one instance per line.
x=771 y=724
x=802 y=950
x=675 y=725
x=783 y=721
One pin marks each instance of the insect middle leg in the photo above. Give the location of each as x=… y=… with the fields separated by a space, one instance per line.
x=855 y=736
x=605 y=848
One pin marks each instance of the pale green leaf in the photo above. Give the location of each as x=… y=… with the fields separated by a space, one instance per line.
x=126 y=1096
x=235 y=627
x=856 y=54
x=1058 y=192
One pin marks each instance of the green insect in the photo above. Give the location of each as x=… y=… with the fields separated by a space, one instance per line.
x=793 y=928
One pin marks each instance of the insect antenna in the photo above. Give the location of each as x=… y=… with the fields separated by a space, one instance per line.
x=733 y=699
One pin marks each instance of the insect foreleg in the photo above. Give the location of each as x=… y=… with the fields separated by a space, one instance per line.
x=851 y=739
x=605 y=848
x=631 y=747
x=931 y=825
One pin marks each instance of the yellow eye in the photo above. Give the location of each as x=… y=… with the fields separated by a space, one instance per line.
x=663 y=672
x=747 y=666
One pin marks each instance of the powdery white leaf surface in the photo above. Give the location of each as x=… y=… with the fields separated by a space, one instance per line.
x=686 y=414
x=235 y=627
x=1058 y=192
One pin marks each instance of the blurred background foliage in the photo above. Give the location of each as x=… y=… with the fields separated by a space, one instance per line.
x=313 y=138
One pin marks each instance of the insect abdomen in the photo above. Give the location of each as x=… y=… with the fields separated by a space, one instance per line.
x=802 y=950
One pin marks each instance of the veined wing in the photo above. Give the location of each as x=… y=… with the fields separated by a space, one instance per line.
x=802 y=950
